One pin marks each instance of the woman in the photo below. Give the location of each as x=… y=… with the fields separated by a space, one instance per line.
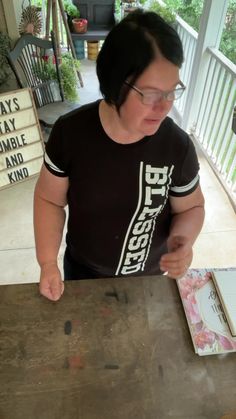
x=127 y=172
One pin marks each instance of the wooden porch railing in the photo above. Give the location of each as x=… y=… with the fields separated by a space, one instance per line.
x=189 y=39
x=212 y=126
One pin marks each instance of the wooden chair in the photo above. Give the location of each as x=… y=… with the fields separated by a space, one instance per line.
x=27 y=60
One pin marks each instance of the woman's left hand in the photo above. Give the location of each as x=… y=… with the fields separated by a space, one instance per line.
x=177 y=261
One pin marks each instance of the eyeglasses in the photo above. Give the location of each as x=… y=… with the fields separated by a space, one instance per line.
x=151 y=97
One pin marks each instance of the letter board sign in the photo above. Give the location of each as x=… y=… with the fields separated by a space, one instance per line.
x=21 y=145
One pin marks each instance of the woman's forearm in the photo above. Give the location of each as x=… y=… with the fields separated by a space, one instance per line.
x=188 y=224
x=185 y=228
x=49 y=220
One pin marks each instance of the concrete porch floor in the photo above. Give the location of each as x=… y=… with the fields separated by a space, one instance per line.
x=215 y=246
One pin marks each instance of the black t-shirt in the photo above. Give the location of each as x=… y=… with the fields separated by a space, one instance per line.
x=119 y=211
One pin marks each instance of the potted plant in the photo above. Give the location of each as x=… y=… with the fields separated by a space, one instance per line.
x=72 y=12
x=79 y=25
x=68 y=68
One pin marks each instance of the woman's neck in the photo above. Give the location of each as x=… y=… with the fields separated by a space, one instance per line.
x=113 y=127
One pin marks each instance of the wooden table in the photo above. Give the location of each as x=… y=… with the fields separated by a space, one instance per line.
x=109 y=349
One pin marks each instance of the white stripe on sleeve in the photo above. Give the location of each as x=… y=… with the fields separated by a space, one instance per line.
x=185 y=188
x=51 y=164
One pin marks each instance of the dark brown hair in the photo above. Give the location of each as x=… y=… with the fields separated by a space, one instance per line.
x=130 y=47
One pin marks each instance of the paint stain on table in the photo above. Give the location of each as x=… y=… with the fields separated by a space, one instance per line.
x=161 y=371
x=68 y=327
x=75 y=362
x=75 y=323
x=111 y=367
x=106 y=311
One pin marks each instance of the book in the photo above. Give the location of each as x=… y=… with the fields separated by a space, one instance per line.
x=225 y=283
x=206 y=319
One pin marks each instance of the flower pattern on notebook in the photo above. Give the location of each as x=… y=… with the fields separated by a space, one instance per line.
x=207 y=323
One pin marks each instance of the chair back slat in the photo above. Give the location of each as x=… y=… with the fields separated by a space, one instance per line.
x=29 y=60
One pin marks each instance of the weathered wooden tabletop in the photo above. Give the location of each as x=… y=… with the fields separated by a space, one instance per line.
x=109 y=349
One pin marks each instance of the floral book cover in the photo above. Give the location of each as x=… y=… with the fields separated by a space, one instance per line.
x=206 y=319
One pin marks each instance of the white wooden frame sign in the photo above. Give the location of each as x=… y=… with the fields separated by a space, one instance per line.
x=21 y=143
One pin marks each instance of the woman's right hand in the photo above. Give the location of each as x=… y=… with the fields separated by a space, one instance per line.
x=51 y=285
